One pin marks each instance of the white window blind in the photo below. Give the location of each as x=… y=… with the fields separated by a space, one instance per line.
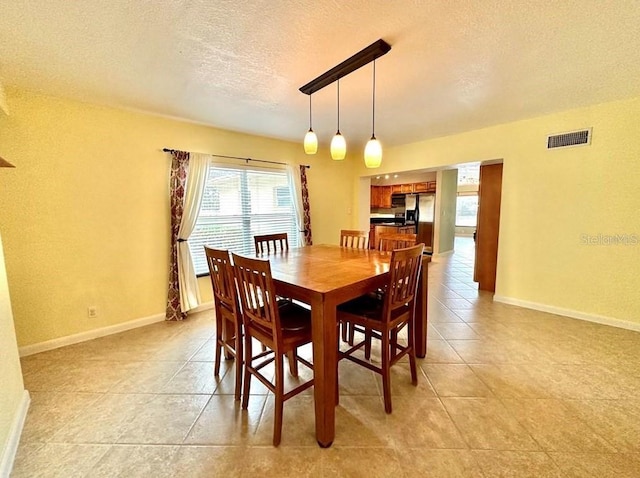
x=238 y=204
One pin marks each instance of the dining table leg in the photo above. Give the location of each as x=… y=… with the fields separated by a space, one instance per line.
x=420 y=327
x=323 y=318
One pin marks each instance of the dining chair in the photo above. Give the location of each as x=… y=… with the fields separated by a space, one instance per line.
x=279 y=242
x=390 y=241
x=384 y=319
x=354 y=239
x=281 y=328
x=227 y=312
x=387 y=242
x=271 y=243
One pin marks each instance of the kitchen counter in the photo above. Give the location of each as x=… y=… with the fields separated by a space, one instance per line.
x=376 y=229
x=386 y=220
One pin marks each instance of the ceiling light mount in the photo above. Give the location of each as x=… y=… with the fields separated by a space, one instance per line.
x=351 y=64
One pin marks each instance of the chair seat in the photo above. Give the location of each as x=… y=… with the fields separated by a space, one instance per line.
x=370 y=306
x=295 y=325
x=294 y=318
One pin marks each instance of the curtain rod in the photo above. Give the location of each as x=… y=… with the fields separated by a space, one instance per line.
x=168 y=150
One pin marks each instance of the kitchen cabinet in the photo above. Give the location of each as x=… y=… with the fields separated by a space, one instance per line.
x=428 y=187
x=385 y=197
x=381 y=196
x=407 y=230
x=375 y=196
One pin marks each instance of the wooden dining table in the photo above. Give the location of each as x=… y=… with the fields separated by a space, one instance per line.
x=324 y=276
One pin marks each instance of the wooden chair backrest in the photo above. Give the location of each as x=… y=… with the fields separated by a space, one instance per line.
x=222 y=278
x=404 y=271
x=271 y=243
x=257 y=293
x=390 y=241
x=354 y=239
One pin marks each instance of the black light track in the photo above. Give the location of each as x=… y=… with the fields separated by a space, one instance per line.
x=364 y=56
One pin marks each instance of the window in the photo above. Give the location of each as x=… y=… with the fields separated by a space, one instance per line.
x=238 y=204
x=467 y=210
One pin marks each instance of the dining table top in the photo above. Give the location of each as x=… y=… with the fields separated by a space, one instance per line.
x=324 y=267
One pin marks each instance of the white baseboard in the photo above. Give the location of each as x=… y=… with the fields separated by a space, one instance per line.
x=443 y=254
x=11 y=448
x=89 y=335
x=202 y=307
x=574 y=314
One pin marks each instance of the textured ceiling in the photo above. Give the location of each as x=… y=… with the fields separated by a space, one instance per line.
x=454 y=66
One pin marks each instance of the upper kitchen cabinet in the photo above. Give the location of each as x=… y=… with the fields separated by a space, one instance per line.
x=381 y=196
x=427 y=187
x=375 y=196
x=385 y=197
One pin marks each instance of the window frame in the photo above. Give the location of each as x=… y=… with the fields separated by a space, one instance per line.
x=247 y=169
x=466 y=194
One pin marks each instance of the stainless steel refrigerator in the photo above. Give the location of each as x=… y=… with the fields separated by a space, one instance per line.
x=420 y=211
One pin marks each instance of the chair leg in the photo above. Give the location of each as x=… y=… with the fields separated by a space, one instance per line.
x=352 y=334
x=345 y=331
x=239 y=363
x=277 y=421
x=247 y=375
x=394 y=343
x=386 y=369
x=412 y=354
x=229 y=329
x=292 y=356
x=218 y=345
x=367 y=344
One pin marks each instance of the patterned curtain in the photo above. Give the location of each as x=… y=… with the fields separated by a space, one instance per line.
x=305 y=206
x=179 y=171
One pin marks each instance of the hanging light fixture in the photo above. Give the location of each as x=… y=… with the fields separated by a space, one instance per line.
x=338 y=143
x=373 y=149
x=310 y=139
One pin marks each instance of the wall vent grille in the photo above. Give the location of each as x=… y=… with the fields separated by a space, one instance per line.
x=566 y=140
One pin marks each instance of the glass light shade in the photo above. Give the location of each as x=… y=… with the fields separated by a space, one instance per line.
x=338 y=147
x=373 y=153
x=310 y=142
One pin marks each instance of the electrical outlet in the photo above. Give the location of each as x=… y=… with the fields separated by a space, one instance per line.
x=92 y=312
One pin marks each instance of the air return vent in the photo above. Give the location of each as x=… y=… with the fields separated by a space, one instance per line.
x=566 y=140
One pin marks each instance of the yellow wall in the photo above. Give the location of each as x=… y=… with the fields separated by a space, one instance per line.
x=85 y=215
x=550 y=199
x=11 y=386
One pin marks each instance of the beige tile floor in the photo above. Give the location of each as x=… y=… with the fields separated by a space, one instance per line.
x=503 y=391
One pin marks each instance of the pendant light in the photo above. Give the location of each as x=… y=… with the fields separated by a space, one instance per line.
x=310 y=139
x=373 y=149
x=338 y=143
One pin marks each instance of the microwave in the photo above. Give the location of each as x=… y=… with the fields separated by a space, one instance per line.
x=397 y=200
